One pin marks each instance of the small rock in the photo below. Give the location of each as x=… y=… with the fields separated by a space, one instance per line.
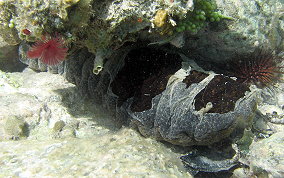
x=58 y=126
x=267 y=156
x=14 y=128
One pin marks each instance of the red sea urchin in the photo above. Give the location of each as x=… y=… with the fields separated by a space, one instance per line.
x=50 y=50
x=259 y=68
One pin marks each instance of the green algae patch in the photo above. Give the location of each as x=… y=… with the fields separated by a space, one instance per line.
x=204 y=11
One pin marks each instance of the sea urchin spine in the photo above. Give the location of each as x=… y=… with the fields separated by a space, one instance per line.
x=50 y=50
x=259 y=68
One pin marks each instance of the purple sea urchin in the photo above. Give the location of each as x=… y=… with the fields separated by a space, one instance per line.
x=259 y=68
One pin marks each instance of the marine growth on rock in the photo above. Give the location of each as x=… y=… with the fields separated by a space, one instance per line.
x=50 y=50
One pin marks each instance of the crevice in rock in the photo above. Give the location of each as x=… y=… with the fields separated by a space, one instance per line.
x=144 y=75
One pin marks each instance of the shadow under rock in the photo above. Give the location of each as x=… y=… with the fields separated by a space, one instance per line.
x=9 y=59
x=83 y=107
x=216 y=46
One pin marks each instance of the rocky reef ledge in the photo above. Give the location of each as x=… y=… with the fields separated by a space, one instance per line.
x=179 y=71
x=42 y=135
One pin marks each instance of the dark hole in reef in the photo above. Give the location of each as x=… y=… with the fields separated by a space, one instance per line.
x=222 y=92
x=220 y=174
x=194 y=77
x=9 y=59
x=144 y=75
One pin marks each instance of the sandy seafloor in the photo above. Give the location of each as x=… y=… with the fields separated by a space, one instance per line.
x=48 y=130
